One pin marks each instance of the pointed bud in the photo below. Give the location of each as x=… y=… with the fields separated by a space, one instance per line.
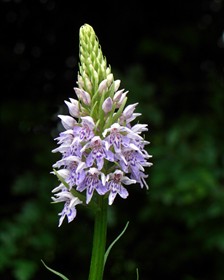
x=129 y=110
x=73 y=107
x=119 y=97
x=67 y=121
x=88 y=85
x=80 y=82
x=110 y=79
x=103 y=86
x=117 y=84
x=107 y=105
x=96 y=77
x=87 y=82
x=83 y=96
x=108 y=71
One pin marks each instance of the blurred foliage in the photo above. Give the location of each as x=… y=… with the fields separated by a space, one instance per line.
x=176 y=228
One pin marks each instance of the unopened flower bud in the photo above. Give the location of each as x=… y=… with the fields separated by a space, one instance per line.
x=110 y=79
x=80 y=82
x=108 y=70
x=119 y=97
x=67 y=121
x=96 y=77
x=73 y=107
x=117 y=84
x=129 y=110
x=103 y=86
x=87 y=82
x=83 y=96
x=120 y=101
x=107 y=105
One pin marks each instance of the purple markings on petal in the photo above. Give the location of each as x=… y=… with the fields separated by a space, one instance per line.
x=98 y=152
x=114 y=185
x=86 y=130
x=92 y=182
x=69 y=209
x=118 y=137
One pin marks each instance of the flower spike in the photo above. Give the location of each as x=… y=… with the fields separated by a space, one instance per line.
x=102 y=150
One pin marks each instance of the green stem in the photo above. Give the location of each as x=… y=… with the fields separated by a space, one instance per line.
x=99 y=241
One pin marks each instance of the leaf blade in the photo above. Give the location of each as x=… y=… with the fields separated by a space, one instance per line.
x=55 y=272
x=113 y=243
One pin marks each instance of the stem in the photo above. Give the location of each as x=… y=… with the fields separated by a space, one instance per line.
x=99 y=241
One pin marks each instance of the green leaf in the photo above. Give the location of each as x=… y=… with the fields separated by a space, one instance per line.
x=55 y=272
x=112 y=244
x=137 y=274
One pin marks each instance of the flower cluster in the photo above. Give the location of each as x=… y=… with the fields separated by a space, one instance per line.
x=102 y=152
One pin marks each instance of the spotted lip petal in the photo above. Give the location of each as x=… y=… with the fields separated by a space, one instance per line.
x=114 y=185
x=69 y=209
x=98 y=152
x=92 y=182
x=85 y=131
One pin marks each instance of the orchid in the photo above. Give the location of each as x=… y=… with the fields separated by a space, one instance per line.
x=102 y=150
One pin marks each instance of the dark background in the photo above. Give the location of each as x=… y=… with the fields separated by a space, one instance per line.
x=169 y=56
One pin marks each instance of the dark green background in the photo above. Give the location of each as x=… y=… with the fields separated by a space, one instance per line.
x=169 y=56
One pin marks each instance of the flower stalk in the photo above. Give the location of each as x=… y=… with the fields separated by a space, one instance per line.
x=99 y=241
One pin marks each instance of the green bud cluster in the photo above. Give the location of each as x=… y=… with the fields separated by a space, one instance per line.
x=93 y=65
x=96 y=85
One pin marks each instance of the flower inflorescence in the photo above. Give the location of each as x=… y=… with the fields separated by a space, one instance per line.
x=102 y=152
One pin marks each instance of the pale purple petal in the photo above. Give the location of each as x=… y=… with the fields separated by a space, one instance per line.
x=67 y=121
x=73 y=108
x=107 y=105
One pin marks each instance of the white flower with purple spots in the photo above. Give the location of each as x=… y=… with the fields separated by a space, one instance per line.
x=93 y=181
x=69 y=209
x=117 y=137
x=85 y=131
x=133 y=161
x=114 y=185
x=98 y=152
